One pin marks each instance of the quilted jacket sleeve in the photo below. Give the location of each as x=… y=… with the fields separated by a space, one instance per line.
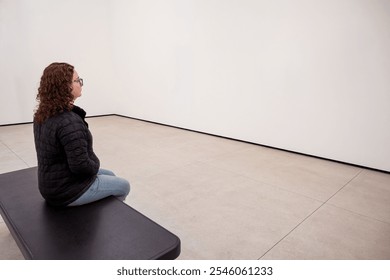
x=76 y=140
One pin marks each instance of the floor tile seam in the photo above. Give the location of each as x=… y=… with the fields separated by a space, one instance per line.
x=358 y=214
x=345 y=185
x=292 y=230
x=166 y=171
x=281 y=188
x=185 y=165
x=216 y=157
x=311 y=214
x=265 y=183
x=3 y=143
x=16 y=154
x=222 y=154
x=252 y=179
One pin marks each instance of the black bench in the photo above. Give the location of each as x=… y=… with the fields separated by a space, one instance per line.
x=107 y=229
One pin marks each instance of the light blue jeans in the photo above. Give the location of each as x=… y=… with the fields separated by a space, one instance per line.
x=105 y=184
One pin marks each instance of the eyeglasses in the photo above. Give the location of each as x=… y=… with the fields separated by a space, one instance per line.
x=80 y=81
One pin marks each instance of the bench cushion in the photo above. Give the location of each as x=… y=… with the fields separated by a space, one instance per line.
x=107 y=229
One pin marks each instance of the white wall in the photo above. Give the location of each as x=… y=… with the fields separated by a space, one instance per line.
x=307 y=76
x=34 y=34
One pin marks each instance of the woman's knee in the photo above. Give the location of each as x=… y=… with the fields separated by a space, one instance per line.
x=126 y=187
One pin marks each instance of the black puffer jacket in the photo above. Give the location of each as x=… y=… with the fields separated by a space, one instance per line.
x=67 y=165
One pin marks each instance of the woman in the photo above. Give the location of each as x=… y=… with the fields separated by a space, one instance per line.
x=69 y=172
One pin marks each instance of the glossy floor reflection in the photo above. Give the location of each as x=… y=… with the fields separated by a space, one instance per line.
x=231 y=200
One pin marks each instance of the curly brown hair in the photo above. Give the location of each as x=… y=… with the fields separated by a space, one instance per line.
x=54 y=92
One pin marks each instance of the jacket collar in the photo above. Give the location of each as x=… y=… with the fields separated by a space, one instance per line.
x=79 y=111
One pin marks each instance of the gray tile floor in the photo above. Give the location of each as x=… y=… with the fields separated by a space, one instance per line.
x=231 y=200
